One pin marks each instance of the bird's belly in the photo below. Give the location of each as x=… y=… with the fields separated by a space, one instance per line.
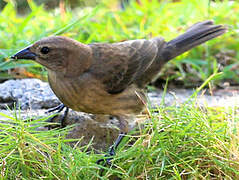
x=90 y=97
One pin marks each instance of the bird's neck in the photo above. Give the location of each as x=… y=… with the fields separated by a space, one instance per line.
x=80 y=61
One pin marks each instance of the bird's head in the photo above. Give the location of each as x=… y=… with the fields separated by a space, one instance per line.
x=59 y=54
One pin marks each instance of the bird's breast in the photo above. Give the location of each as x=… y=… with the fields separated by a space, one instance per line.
x=87 y=94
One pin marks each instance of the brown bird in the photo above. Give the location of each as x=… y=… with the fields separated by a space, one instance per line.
x=104 y=78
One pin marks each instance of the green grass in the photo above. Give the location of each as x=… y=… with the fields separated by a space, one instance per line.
x=105 y=23
x=185 y=142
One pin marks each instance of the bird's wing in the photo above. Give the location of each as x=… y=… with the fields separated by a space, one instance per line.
x=118 y=65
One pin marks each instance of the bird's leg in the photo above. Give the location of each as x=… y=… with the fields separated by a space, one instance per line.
x=58 y=109
x=123 y=125
x=63 y=118
x=112 y=149
x=116 y=144
x=124 y=129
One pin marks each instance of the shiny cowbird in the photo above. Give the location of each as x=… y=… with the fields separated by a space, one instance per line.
x=109 y=78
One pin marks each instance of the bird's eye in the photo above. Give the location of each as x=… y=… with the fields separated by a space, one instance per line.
x=45 y=50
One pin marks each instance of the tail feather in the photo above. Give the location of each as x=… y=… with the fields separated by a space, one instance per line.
x=194 y=36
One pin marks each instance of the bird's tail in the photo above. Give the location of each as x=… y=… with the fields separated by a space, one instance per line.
x=194 y=36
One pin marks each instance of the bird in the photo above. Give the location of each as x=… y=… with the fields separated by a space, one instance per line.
x=110 y=78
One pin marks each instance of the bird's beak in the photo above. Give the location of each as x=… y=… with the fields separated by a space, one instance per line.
x=24 y=54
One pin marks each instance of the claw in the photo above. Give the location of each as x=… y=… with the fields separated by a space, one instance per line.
x=58 y=109
x=107 y=162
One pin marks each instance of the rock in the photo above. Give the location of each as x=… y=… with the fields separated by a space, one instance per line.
x=28 y=93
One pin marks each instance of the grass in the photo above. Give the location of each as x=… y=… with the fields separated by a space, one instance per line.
x=183 y=142
x=106 y=23
x=180 y=142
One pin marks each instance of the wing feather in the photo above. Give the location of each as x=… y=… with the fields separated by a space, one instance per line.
x=118 y=65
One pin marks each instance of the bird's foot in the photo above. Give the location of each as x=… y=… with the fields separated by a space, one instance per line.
x=107 y=160
x=108 y=157
x=111 y=154
x=58 y=109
